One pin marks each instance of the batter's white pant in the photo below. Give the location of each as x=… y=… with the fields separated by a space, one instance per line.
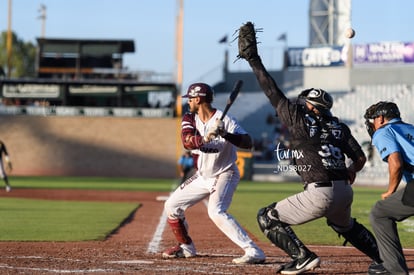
x=219 y=191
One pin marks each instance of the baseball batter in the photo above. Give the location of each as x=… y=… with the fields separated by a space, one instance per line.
x=213 y=143
x=394 y=140
x=321 y=144
x=3 y=175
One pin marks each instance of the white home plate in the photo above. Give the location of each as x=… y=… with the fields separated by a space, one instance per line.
x=162 y=198
x=131 y=262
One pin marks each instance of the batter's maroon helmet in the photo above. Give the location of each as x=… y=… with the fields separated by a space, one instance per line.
x=200 y=90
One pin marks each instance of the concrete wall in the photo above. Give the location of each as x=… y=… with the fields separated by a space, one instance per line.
x=382 y=75
x=91 y=146
x=329 y=79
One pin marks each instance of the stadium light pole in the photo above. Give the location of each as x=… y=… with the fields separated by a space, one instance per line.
x=9 y=39
x=179 y=75
x=179 y=54
x=42 y=16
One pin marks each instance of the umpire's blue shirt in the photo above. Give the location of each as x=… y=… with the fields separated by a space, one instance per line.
x=396 y=136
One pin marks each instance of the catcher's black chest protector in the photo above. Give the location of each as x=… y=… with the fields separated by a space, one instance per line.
x=322 y=148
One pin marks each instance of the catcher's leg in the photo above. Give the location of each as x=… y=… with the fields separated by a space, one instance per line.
x=361 y=238
x=282 y=235
x=279 y=233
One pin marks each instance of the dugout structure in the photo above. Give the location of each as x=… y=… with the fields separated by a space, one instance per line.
x=87 y=97
x=86 y=77
x=81 y=58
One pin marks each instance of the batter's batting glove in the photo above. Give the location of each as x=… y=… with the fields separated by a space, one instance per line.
x=218 y=128
x=211 y=134
x=221 y=131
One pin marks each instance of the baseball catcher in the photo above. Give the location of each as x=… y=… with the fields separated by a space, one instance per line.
x=324 y=144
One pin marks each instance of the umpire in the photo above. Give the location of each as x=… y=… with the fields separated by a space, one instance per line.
x=394 y=141
x=321 y=144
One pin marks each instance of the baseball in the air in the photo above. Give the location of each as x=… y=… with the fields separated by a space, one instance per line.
x=350 y=33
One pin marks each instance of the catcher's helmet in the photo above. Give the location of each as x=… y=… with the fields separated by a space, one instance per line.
x=200 y=90
x=387 y=109
x=319 y=98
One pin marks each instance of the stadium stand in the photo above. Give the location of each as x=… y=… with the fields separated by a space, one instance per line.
x=250 y=108
x=352 y=107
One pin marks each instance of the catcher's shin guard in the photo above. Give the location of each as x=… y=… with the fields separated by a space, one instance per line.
x=362 y=239
x=180 y=231
x=279 y=233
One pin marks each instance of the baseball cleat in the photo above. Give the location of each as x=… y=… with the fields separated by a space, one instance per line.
x=173 y=252
x=377 y=268
x=8 y=188
x=178 y=252
x=249 y=260
x=285 y=266
x=302 y=265
x=252 y=256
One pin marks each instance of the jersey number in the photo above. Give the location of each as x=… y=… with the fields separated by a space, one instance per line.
x=330 y=151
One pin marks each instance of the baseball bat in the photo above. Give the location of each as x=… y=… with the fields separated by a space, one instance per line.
x=232 y=97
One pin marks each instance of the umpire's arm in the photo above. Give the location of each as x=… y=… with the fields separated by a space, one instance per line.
x=395 y=169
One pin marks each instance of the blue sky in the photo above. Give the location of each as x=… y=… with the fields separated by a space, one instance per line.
x=151 y=24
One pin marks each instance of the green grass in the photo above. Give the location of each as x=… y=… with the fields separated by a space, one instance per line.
x=251 y=196
x=52 y=220
x=93 y=183
x=24 y=219
x=49 y=220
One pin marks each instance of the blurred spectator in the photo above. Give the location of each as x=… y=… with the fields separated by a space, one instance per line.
x=186 y=166
x=3 y=175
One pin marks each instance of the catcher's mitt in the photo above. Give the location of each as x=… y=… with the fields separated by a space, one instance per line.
x=247 y=42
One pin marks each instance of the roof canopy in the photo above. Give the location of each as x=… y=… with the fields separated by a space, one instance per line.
x=90 y=47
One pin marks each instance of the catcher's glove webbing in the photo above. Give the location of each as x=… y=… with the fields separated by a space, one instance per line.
x=247 y=42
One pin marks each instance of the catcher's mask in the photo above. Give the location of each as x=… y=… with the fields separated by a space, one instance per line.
x=319 y=98
x=388 y=110
x=200 y=90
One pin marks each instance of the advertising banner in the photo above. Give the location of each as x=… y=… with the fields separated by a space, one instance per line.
x=383 y=53
x=317 y=57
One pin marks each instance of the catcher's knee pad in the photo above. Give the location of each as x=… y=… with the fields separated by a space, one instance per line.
x=265 y=220
x=279 y=233
x=180 y=230
x=361 y=238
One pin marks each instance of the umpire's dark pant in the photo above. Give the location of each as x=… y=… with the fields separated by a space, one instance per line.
x=383 y=217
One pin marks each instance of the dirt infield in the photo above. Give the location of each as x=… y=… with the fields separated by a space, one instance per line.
x=132 y=249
